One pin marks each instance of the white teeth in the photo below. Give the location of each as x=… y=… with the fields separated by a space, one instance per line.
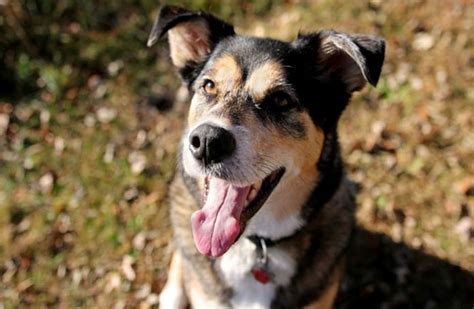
x=206 y=187
x=252 y=194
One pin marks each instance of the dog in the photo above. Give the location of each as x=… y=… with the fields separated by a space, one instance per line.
x=261 y=209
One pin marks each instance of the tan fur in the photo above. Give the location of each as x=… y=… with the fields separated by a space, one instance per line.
x=226 y=73
x=175 y=274
x=197 y=295
x=250 y=128
x=326 y=300
x=227 y=76
x=200 y=183
x=195 y=111
x=175 y=283
x=274 y=148
x=334 y=220
x=183 y=205
x=305 y=153
x=199 y=280
x=264 y=78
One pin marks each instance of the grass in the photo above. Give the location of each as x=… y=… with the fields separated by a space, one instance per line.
x=88 y=141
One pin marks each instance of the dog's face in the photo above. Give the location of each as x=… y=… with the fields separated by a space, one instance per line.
x=260 y=112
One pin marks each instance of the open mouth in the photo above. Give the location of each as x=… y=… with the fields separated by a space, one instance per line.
x=226 y=210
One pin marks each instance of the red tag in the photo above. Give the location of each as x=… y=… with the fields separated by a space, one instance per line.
x=260 y=275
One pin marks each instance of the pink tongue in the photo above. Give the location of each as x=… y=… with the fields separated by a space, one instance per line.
x=216 y=224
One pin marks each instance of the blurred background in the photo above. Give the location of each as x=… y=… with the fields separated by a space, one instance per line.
x=88 y=136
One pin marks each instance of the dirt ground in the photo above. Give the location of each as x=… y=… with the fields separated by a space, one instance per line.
x=88 y=137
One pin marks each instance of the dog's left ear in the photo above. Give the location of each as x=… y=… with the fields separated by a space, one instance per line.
x=191 y=35
x=352 y=59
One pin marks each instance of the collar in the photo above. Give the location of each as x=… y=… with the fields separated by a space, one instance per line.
x=261 y=270
x=257 y=240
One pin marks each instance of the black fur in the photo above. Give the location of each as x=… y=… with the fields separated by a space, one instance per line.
x=317 y=82
x=324 y=95
x=170 y=16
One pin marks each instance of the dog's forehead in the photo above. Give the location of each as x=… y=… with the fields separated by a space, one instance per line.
x=254 y=63
x=252 y=52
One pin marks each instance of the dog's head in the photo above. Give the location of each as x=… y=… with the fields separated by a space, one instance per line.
x=260 y=112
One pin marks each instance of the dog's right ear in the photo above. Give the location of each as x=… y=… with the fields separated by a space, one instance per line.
x=191 y=35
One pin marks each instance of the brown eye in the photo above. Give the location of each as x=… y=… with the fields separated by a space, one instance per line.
x=209 y=87
x=280 y=101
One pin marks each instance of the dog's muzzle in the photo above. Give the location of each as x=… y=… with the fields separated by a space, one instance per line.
x=211 y=144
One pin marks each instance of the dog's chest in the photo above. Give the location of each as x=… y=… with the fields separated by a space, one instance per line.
x=236 y=269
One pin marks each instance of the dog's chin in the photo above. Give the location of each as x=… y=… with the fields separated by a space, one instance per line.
x=260 y=192
x=227 y=207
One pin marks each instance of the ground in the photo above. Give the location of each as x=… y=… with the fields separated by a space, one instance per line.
x=88 y=136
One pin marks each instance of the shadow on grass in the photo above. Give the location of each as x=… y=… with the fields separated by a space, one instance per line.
x=384 y=274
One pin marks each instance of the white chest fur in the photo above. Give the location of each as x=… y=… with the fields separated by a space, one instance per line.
x=236 y=266
x=280 y=216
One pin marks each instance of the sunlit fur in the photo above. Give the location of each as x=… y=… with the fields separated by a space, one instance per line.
x=281 y=103
x=261 y=147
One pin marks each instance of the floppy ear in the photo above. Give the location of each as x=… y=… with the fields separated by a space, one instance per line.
x=191 y=36
x=338 y=64
x=352 y=59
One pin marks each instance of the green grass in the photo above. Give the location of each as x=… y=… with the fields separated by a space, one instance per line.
x=85 y=161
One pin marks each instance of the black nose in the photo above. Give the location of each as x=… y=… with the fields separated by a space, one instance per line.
x=211 y=144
